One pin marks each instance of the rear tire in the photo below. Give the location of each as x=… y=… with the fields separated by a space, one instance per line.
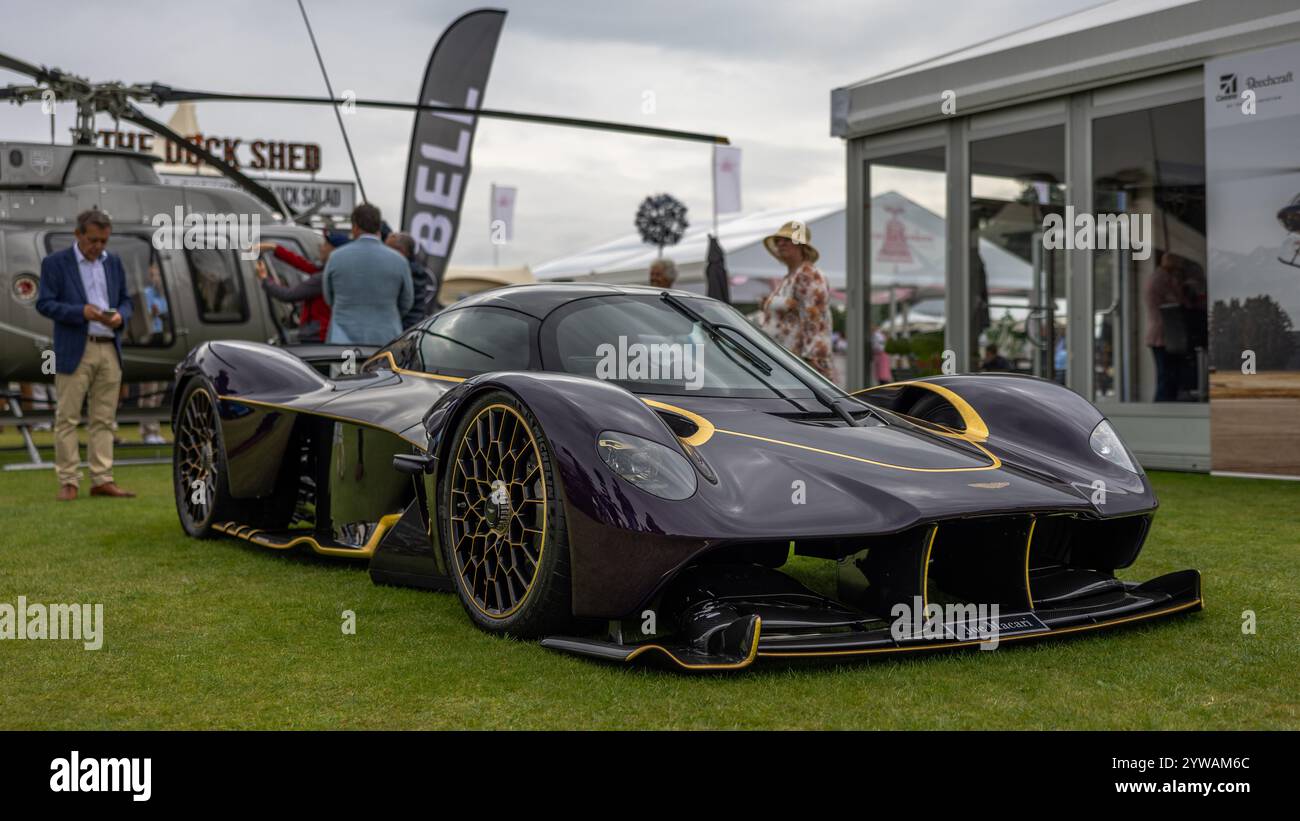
x=201 y=474
x=501 y=520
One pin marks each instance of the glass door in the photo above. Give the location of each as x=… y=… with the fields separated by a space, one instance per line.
x=1150 y=338
x=1018 y=289
x=906 y=229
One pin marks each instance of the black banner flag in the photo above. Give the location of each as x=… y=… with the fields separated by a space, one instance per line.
x=437 y=170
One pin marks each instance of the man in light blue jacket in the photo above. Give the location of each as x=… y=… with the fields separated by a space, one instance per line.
x=367 y=285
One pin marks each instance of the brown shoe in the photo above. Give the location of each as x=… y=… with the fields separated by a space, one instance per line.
x=67 y=493
x=110 y=489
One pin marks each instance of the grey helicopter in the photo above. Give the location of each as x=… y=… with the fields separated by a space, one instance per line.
x=183 y=296
x=209 y=294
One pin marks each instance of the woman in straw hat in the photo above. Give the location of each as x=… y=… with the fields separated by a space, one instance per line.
x=797 y=314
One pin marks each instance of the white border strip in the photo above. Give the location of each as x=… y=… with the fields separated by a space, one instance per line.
x=1235 y=475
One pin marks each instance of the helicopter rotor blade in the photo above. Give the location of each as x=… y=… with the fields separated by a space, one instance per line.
x=304 y=217
x=261 y=192
x=23 y=67
x=166 y=94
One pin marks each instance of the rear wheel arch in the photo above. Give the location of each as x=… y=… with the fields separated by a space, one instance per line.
x=200 y=466
x=178 y=391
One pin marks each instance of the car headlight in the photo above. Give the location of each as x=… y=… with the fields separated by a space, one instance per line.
x=649 y=465
x=1106 y=444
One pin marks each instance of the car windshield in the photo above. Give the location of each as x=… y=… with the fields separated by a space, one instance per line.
x=648 y=346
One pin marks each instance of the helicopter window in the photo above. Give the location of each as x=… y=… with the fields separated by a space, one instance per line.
x=151 y=322
x=284 y=274
x=95 y=168
x=218 y=286
x=286 y=313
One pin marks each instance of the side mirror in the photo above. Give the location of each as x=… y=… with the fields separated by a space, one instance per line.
x=414 y=463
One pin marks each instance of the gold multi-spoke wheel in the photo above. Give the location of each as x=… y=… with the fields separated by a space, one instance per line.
x=502 y=540
x=198 y=463
x=201 y=472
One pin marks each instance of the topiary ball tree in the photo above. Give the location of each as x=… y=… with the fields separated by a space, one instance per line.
x=661 y=220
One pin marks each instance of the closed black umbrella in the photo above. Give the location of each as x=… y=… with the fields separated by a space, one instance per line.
x=715 y=272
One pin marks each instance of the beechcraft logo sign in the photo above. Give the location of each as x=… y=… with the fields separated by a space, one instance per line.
x=41 y=161
x=1259 y=85
x=1262 y=83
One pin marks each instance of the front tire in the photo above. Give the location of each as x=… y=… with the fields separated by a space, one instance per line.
x=502 y=523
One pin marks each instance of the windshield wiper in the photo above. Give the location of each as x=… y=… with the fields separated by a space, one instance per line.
x=819 y=392
x=715 y=330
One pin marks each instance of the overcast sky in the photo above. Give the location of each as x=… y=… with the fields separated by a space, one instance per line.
x=758 y=71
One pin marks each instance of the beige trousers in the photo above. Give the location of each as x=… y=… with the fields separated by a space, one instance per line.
x=97 y=381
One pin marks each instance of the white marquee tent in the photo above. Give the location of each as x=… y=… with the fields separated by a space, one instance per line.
x=907 y=251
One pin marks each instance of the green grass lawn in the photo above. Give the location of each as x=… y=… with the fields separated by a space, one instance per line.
x=222 y=634
x=11 y=439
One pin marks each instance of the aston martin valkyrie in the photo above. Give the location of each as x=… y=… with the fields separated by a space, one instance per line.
x=622 y=472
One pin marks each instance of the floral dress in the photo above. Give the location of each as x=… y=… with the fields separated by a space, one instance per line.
x=798 y=316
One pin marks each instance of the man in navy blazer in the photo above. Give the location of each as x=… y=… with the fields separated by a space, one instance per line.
x=83 y=289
